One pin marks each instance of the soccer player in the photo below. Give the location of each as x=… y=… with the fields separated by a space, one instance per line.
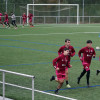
x=6 y=21
x=30 y=16
x=71 y=54
x=60 y=63
x=0 y=19
x=13 y=22
x=24 y=17
x=98 y=71
x=88 y=52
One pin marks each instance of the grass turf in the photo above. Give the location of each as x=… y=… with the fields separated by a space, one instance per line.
x=31 y=51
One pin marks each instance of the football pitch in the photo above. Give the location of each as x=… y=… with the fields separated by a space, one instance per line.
x=31 y=51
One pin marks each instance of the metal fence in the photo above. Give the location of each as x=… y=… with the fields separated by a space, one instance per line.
x=63 y=19
x=20 y=74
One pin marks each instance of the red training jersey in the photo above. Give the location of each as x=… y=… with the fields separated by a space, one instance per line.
x=71 y=51
x=87 y=54
x=0 y=15
x=61 y=62
x=24 y=17
x=6 y=16
x=30 y=16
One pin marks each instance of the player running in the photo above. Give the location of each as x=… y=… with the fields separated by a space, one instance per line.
x=24 y=17
x=13 y=17
x=6 y=21
x=0 y=19
x=88 y=52
x=60 y=63
x=71 y=54
x=30 y=16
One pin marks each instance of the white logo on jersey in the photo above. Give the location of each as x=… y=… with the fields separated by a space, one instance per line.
x=88 y=55
x=63 y=65
x=91 y=50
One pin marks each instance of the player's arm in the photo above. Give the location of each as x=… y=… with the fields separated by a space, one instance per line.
x=55 y=62
x=25 y=16
x=79 y=54
x=60 y=51
x=94 y=54
x=68 y=65
x=73 y=52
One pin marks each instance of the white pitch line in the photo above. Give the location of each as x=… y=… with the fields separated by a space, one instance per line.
x=52 y=34
x=55 y=95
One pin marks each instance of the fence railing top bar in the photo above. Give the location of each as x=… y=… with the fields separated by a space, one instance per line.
x=55 y=4
x=20 y=74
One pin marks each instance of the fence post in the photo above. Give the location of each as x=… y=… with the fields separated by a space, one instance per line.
x=3 y=73
x=44 y=19
x=89 y=20
x=20 y=20
x=32 y=88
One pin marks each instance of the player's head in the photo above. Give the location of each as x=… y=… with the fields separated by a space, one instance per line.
x=89 y=43
x=66 y=51
x=23 y=13
x=5 y=13
x=11 y=13
x=67 y=42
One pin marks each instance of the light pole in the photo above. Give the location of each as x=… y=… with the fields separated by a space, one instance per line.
x=83 y=13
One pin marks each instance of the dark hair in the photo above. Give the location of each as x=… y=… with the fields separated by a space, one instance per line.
x=67 y=40
x=66 y=49
x=89 y=41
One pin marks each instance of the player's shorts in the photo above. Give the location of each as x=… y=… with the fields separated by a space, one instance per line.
x=66 y=68
x=30 y=20
x=86 y=66
x=6 y=21
x=0 y=19
x=24 y=20
x=60 y=75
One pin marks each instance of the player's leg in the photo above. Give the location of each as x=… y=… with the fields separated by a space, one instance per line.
x=1 y=22
x=15 y=24
x=81 y=75
x=12 y=22
x=8 y=25
x=5 y=23
x=97 y=72
x=88 y=76
x=60 y=83
x=66 y=78
x=23 y=22
x=52 y=78
x=30 y=22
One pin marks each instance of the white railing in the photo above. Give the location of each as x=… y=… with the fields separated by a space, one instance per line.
x=20 y=74
x=66 y=19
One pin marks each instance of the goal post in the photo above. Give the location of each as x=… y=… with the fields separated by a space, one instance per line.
x=76 y=5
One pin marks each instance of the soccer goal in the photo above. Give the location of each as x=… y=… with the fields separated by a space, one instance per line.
x=54 y=13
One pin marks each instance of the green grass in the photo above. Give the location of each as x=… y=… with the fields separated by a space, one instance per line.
x=31 y=51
